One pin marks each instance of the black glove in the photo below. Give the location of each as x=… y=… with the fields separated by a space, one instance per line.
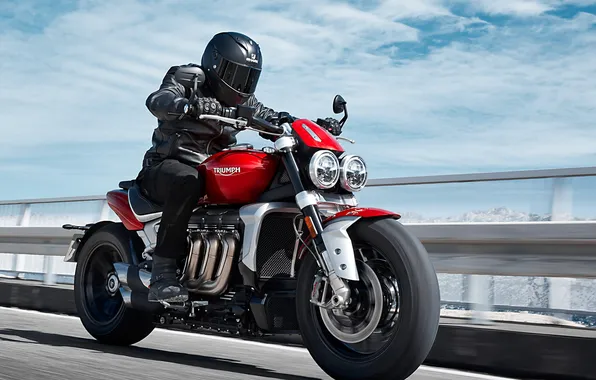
x=331 y=125
x=207 y=106
x=280 y=118
x=276 y=119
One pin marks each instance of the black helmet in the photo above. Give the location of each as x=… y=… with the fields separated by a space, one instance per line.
x=232 y=63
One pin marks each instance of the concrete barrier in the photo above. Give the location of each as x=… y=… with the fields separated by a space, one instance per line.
x=504 y=349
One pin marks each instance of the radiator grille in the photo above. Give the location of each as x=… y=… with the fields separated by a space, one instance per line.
x=285 y=178
x=276 y=244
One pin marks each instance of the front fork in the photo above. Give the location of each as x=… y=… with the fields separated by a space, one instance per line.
x=308 y=205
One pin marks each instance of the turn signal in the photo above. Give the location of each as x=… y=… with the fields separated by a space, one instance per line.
x=311 y=227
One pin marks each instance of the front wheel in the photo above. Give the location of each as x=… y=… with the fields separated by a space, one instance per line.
x=393 y=317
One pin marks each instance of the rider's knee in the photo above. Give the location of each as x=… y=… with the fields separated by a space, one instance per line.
x=189 y=184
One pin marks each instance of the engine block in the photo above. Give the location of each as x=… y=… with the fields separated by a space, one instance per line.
x=214 y=243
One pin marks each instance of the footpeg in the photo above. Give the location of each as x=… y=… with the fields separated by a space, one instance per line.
x=178 y=306
x=195 y=304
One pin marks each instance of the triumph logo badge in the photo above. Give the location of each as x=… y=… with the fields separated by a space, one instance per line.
x=227 y=171
x=252 y=58
x=355 y=211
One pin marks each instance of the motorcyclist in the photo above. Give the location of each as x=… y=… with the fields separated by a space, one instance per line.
x=232 y=64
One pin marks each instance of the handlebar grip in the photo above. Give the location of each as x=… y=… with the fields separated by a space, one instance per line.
x=267 y=126
x=229 y=112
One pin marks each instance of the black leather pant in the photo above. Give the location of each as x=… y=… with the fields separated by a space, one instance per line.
x=178 y=188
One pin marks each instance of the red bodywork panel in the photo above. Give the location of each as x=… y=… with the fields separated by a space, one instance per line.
x=237 y=176
x=118 y=201
x=323 y=140
x=362 y=212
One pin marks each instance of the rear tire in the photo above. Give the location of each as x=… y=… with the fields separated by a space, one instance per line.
x=403 y=347
x=102 y=310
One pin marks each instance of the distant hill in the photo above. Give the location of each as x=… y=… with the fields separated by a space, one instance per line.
x=499 y=214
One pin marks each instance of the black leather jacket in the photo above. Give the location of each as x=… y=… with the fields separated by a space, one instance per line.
x=188 y=140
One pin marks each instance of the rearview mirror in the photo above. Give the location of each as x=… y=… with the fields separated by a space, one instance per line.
x=339 y=104
x=186 y=76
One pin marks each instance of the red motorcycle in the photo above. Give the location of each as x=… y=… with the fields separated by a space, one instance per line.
x=277 y=245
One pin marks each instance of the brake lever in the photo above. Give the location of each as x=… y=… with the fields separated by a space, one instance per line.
x=346 y=139
x=237 y=123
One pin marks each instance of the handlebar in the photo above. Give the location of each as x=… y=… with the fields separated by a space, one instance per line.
x=267 y=127
x=242 y=118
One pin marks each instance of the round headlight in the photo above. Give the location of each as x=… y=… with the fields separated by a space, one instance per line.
x=353 y=173
x=324 y=169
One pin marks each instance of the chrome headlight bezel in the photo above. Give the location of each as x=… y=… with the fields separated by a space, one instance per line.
x=343 y=180
x=312 y=169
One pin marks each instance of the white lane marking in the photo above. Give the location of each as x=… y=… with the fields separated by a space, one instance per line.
x=175 y=332
x=226 y=339
x=260 y=344
x=38 y=313
x=455 y=372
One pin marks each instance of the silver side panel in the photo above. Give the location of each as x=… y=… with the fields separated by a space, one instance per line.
x=149 y=236
x=252 y=216
x=340 y=252
x=148 y=217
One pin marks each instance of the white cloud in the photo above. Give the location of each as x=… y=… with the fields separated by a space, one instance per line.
x=519 y=95
x=511 y=7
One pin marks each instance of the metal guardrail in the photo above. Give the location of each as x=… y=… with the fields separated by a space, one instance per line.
x=587 y=171
x=544 y=249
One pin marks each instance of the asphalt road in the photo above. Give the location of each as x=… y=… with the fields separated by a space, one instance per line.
x=41 y=346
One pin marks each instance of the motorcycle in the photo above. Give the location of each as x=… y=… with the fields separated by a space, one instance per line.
x=278 y=244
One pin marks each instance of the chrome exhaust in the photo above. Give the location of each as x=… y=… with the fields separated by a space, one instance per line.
x=218 y=285
x=211 y=242
x=196 y=251
x=134 y=288
x=132 y=278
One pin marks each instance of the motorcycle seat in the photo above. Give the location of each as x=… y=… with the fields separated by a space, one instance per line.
x=141 y=205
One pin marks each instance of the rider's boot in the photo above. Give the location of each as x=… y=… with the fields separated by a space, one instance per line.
x=163 y=285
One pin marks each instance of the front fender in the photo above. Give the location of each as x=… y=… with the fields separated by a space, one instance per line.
x=340 y=251
x=362 y=212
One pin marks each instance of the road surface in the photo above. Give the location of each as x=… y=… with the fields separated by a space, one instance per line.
x=42 y=346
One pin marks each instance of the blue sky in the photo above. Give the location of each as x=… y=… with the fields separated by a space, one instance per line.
x=432 y=86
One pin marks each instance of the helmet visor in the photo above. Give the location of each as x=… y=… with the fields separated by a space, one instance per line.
x=241 y=78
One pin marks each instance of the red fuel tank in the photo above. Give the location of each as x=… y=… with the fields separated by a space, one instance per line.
x=237 y=176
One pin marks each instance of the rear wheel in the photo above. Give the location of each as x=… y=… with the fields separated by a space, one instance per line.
x=393 y=317
x=98 y=300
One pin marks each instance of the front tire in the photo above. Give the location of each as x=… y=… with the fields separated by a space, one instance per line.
x=403 y=339
x=99 y=303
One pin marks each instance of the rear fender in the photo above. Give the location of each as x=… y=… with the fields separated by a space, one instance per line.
x=79 y=239
x=340 y=251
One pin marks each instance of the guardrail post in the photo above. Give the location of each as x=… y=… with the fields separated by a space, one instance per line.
x=562 y=201
x=465 y=288
x=23 y=221
x=559 y=296
x=559 y=291
x=479 y=299
x=49 y=277
x=104 y=214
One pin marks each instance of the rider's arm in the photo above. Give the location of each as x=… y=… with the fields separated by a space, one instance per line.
x=261 y=111
x=168 y=102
